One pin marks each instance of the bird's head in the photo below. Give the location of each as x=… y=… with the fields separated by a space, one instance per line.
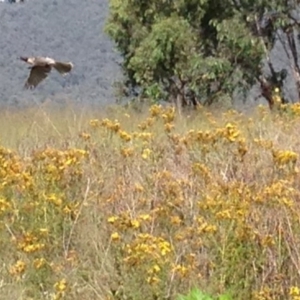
x=29 y=60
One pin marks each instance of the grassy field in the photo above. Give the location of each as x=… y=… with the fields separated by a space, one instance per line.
x=126 y=205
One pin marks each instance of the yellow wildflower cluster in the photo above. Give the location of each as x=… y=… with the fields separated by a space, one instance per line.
x=295 y=293
x=284 y=157
x=145 y=205
x=38 y=202
x=18 y=268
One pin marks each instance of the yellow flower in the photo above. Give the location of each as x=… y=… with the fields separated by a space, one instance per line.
x=18 y=268
x=115 y=236
x=153 y=280
x=127 y=152
x=39 y=262
x=284 y=157
x=169 y=127
x=124 y=136
x=165 y=248
x=145 y=136
x=276 y=96
x=294 y=291
x=154 y=270
x=225 y=214
x=295 y=107
x=135 y=223
x=85 y=136
x=169 y=114
x=33 y=248
x=138 y=188
x=231 y=132
x=55 y=199
x=115 y=126
x=180 y=269
x=176 y=220
x=112 y=219
x=145 y=217
x=206 y=228
x=155 y=110
x=44 y=231
x=94 y=123
x=4 y=204
x=146 y=153
x=61 y=285
x=67 y=210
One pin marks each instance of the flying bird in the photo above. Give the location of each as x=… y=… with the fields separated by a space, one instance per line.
x=41 y=67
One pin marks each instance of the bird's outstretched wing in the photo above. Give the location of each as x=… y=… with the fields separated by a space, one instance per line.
x=37 y=74
x=62 y=67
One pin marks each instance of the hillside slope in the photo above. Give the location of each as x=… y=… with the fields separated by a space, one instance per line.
x=70 y=30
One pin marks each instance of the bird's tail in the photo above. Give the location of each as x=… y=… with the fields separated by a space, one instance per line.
x=24 y=58
x=62 y=67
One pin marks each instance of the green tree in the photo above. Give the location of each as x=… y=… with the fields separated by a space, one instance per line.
x=191 y=51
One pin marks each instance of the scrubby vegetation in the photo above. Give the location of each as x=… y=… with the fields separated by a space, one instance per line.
x=127 y=205
x=157 y=203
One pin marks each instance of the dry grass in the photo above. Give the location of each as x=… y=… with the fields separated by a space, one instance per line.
x=117 y=204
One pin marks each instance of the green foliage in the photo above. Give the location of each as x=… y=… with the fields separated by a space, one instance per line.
x=196 y=294
x=163 y=53
x=193 y=48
